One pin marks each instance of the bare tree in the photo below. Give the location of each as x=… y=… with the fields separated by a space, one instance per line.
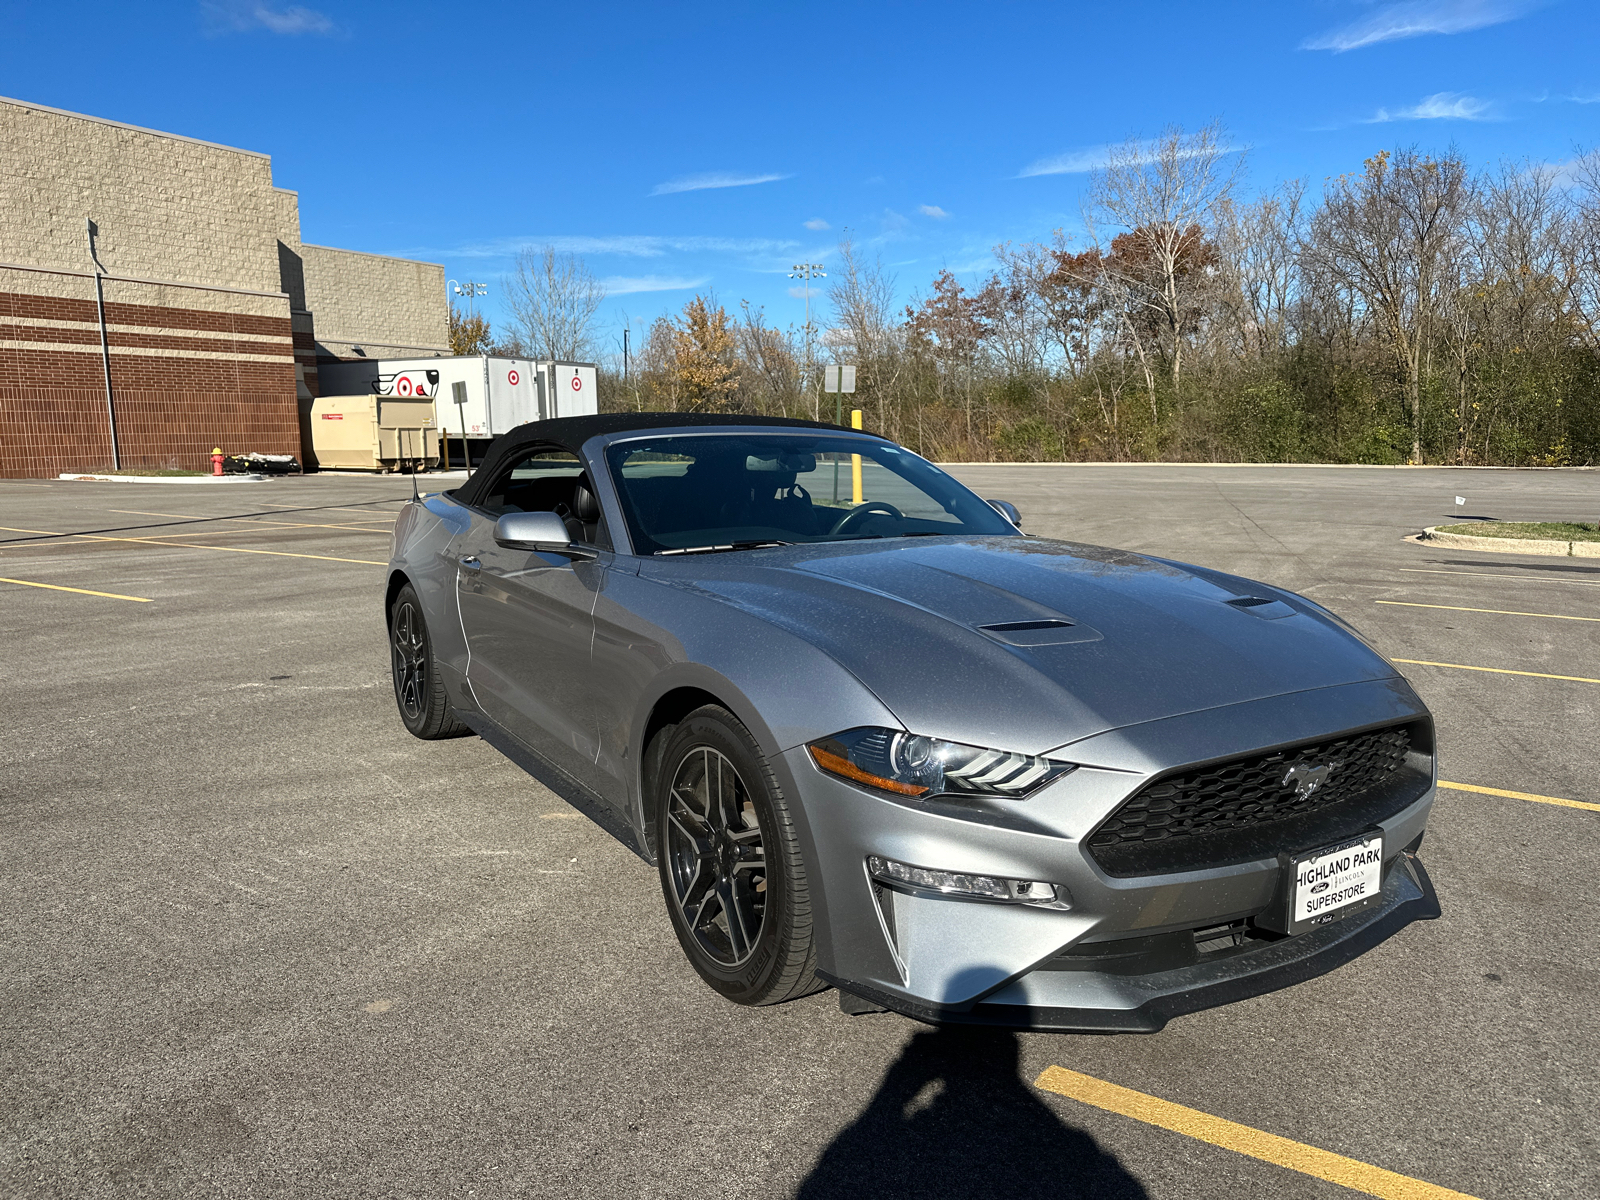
x=769 y=365
x=554 y=299
x=1164 y=196
x=1390 y=235
x=1259 y=243
x=866 y=332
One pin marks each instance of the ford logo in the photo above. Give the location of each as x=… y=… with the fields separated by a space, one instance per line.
x=1321 y=887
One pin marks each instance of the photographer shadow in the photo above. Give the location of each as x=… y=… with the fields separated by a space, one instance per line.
x=953 y=1121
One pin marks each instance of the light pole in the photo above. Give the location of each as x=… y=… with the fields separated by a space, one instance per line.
x=806 y=272
x=471 y=290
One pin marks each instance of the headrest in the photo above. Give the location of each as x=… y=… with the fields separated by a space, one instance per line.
x=584 y=506
x=786 y=463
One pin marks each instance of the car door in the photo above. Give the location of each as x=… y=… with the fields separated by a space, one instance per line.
x=528 y=619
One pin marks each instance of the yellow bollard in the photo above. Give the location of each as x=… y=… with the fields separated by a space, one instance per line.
x=855 y=461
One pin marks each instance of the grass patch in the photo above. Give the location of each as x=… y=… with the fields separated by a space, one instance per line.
x=1555 y=531
x=148 y=471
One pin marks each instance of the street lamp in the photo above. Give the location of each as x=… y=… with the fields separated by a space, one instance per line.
x=806 y=272
x=470 y=289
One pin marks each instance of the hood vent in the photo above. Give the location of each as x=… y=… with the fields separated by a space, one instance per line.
x=1260 y=606
x=1043 y=632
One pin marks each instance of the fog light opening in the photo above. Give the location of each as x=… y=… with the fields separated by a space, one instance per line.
x=1034 y=892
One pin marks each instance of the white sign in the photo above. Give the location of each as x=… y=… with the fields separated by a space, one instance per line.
x=1335 y=879
x=1461 y=499
x=839 y=379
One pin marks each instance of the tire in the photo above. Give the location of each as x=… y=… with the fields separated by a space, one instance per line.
x=731 y=868
x=418 y=690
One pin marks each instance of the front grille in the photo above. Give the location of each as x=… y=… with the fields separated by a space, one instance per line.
x=1246 y=807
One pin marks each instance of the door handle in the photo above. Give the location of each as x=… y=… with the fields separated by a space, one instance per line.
x=471 y=563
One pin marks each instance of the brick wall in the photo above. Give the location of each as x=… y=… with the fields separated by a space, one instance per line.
x=184 y=379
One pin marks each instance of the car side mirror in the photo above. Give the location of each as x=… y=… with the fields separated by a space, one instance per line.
x=1007 y=510
x=544 y=532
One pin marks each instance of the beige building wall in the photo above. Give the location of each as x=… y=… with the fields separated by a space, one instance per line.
x=213 y=305
x=389 y=307
x=167 y=207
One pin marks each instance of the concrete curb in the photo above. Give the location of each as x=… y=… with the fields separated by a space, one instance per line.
x=1500 y=545
x=251 y=478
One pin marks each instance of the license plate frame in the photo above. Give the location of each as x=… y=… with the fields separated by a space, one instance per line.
x=1314 y=877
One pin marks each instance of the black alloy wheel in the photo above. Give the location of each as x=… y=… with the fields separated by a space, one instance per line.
x=418 y=691
x=716 y=859
x=730 y=862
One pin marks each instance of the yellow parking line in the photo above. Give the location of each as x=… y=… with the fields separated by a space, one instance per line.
x=1268 y=1147
x=1504 y=612
x=252 y=520
x=1422 y=662
x=365 y=562
x=56 y=587
x=1472 y=787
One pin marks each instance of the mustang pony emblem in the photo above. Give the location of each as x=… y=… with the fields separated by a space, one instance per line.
x=1307 y=777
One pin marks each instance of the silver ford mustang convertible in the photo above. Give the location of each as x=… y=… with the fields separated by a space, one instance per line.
x=875 y=736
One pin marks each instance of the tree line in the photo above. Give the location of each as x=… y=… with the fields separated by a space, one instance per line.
x=1416 y=310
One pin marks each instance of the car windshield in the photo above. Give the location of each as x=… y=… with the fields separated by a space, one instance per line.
x=682 y=493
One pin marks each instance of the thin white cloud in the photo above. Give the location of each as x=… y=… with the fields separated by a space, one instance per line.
x=1441 y=106
x=624 y=245
x=627 y=285
x=243 y=16
x=716 y=179
x=817 y=224
x=1415 y=18
x=1092 y=158
x=934 y=211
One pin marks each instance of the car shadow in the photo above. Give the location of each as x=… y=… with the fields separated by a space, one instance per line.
x=953 y=1120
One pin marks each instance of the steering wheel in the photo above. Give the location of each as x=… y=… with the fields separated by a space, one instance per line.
x=848 y=522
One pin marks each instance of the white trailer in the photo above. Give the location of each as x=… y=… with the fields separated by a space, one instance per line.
x=476 y=398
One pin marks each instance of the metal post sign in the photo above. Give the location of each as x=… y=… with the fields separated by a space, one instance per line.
x=839 y=379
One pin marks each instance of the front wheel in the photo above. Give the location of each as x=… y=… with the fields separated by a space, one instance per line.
x=418 y=691
x=730 y=862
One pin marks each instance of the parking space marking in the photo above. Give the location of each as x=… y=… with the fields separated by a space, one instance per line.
x=1488 y=791
x=1422 y=662
x=1242 y=1139
x=95 y=537
x=1501 y=575
x=256 y=520
x=1504 y=612
x=56 y=587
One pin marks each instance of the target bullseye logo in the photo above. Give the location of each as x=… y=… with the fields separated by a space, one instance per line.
x=402 y=386
x=577 y=384
x=513 y=379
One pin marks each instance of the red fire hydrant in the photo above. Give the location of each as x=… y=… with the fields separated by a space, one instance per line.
x=216 y=461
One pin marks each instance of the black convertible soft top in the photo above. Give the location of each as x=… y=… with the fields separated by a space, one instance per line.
x=572 y=432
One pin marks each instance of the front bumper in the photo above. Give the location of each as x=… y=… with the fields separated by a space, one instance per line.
x=939 y=958
x=1044 y=1000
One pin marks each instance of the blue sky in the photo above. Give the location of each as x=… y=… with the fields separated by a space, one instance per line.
x=692 y=146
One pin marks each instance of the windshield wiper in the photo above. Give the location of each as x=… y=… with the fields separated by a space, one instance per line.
x=725 y=546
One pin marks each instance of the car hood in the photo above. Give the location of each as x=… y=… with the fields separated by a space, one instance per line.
x=1090 y=639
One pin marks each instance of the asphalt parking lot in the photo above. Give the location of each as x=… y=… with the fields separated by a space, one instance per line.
x=259 y=941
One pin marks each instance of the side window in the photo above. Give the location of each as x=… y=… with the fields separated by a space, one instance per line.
x=536 y=482
x=549 y=479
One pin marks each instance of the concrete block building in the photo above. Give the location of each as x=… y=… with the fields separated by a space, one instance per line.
x=156 y=299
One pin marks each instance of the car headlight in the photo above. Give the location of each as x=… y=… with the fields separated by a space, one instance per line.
x=908 y=764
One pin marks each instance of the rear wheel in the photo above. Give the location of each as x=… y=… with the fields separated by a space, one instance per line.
x=730 y=862
x=418 y=691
